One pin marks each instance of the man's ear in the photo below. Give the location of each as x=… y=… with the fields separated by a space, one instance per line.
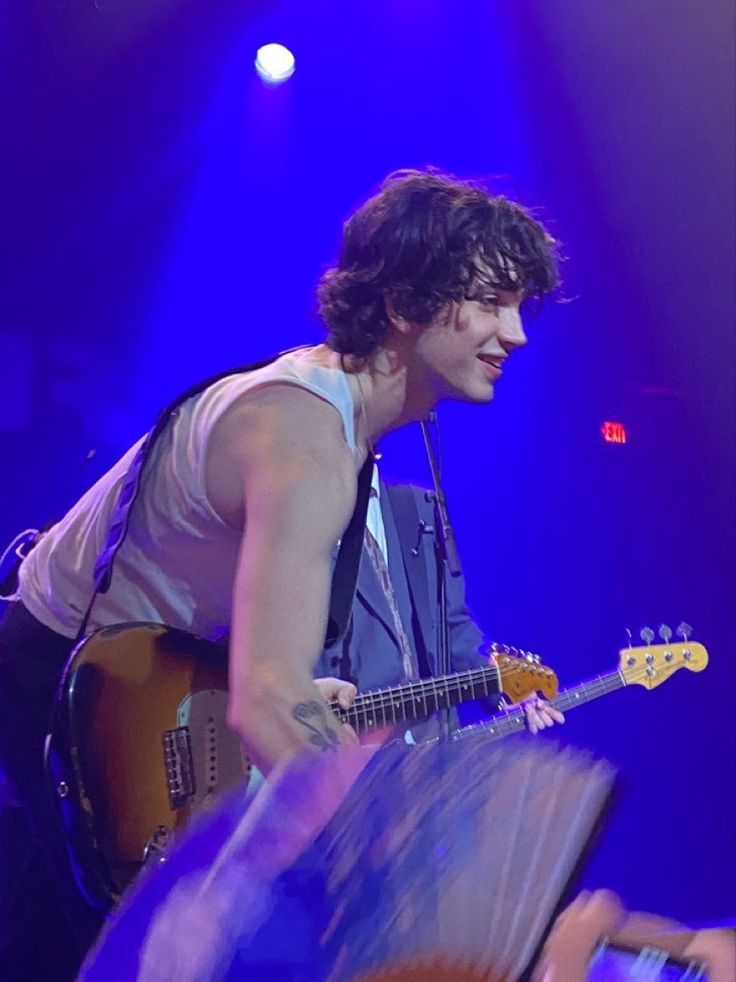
x=397 y=321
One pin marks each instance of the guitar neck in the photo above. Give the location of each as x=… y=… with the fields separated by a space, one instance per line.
x=415 y=700
x=515 y=720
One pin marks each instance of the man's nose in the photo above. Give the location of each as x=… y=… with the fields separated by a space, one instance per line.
x=512 y=333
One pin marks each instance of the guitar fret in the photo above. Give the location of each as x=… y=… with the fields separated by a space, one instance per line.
x=425 y=708
x=372 y=718
x=430 y=689
x=414 y=700
x=384 y=715
x=588 y=690
x=366 y=711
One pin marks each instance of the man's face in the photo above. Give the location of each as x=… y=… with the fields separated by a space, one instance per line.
x=461 y=353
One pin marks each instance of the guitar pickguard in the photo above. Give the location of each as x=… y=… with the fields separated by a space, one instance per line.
x=216 y=761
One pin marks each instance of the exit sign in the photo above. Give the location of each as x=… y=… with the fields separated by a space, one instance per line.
x=613 y=432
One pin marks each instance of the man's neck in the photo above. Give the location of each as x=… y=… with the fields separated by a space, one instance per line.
x=386 y=395
x=392 y=397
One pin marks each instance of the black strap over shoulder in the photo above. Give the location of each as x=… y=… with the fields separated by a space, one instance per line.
x=345 y=574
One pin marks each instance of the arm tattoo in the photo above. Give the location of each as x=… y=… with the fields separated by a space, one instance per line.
x=315 y=716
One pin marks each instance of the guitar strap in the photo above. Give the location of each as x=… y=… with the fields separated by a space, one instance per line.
x=345 y=574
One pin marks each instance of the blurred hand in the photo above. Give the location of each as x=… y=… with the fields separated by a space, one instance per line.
x=575 y=936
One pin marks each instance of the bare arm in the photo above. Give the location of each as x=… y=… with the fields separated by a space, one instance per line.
x=296 y=480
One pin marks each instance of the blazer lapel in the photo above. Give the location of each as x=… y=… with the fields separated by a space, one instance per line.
x=400 y=507
x=370 y=594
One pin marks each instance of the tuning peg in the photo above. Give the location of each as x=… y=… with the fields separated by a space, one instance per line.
x=647 y=635
x=665 y=633
x=629 y=636
x=684 y=630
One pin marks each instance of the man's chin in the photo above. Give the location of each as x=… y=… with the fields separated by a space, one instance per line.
x=477 y=395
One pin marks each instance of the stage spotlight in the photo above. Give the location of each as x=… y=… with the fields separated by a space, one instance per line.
x=274 y=63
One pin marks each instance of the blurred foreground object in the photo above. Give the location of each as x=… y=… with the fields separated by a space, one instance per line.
x=596 y=939
x=366 y=861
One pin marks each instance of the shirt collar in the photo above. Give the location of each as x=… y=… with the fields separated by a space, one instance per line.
x=375 y=491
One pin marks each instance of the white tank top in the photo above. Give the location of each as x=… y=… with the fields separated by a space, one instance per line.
x=177 y=563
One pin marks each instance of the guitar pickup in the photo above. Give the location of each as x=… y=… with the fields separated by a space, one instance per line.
x=179 y=766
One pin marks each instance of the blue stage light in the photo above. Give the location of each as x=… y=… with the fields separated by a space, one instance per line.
x=274 y=63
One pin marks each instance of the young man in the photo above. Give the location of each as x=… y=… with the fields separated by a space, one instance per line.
x=254 y=481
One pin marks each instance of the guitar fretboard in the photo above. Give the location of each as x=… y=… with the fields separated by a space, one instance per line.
x=415 y=700
x=514 y=720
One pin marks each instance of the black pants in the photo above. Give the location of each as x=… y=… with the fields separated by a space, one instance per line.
x=45 y=925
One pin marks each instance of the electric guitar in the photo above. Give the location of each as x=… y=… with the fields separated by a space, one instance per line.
x=140 y=742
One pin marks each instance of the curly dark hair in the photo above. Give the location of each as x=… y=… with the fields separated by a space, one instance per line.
x=424 y=240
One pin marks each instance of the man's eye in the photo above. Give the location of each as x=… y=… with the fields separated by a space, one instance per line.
x=489 y=301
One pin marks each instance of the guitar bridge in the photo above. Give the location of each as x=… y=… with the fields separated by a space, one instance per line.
x=179 y=766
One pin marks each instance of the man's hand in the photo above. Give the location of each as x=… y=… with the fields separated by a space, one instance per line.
x=539 y=714
x=344 y=692
x=331 y=688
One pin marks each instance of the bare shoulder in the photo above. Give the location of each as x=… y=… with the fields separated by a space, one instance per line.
x=274 y=438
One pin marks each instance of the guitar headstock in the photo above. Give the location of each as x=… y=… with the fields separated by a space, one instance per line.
x=523 y=674
x=652 y=664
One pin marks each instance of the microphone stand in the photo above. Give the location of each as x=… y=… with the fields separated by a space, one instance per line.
x=446 y=557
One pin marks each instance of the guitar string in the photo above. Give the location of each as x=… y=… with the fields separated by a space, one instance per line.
x=401 y=695
x=385 y=704
x=514 y=718
x=398 y=695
